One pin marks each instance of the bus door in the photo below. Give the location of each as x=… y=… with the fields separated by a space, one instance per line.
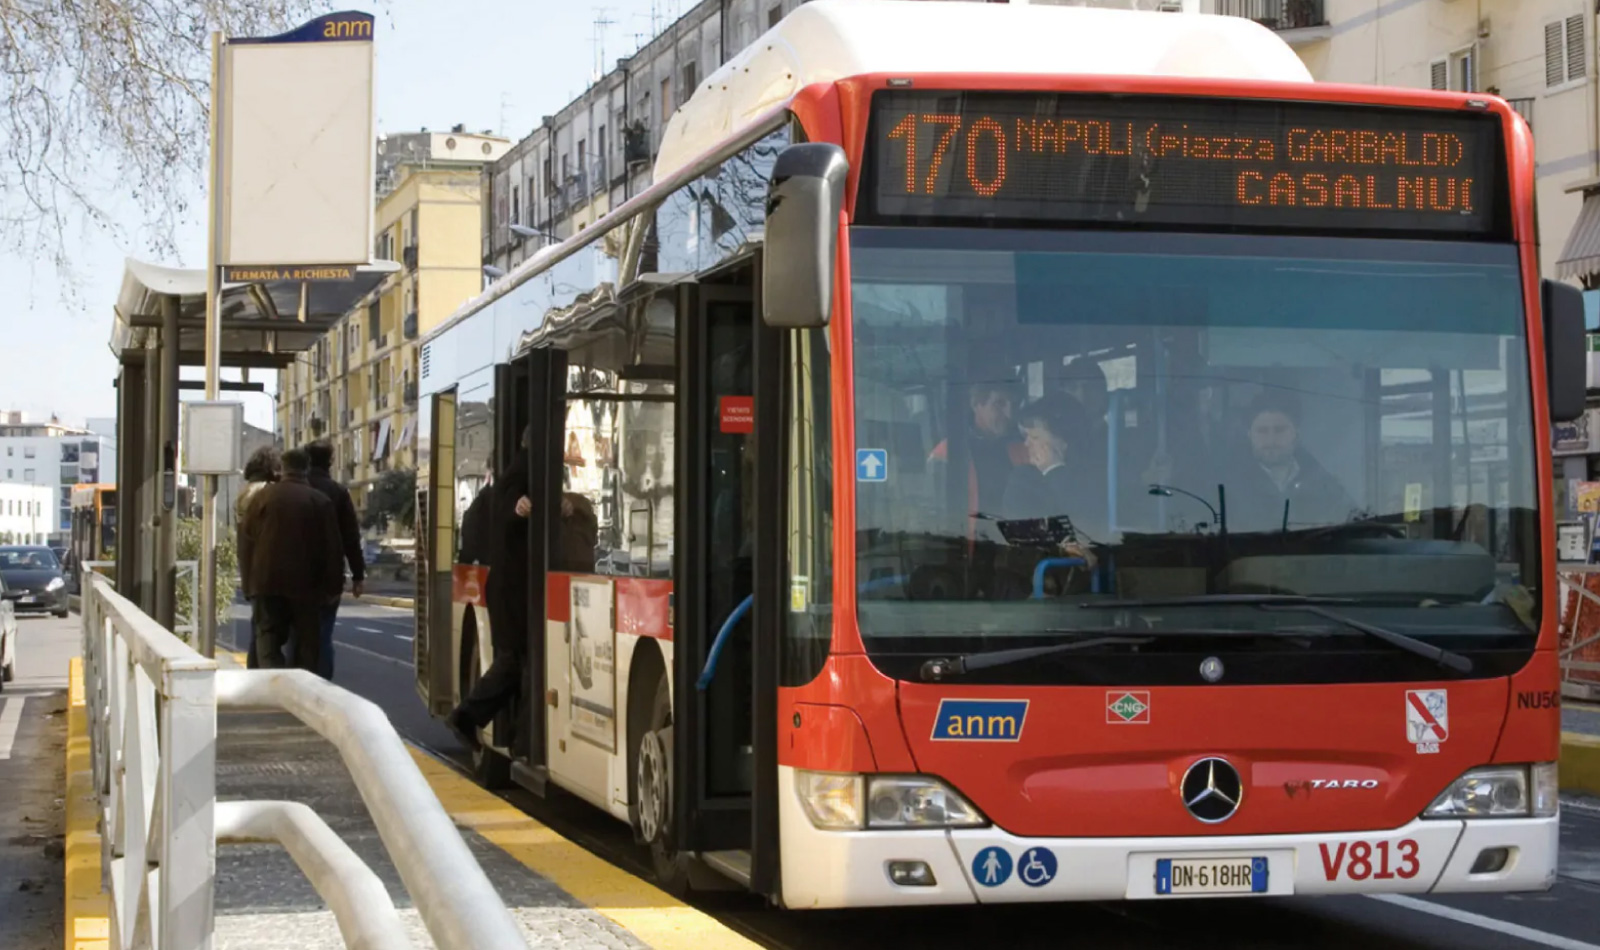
x=523 y=403
x=725 y=700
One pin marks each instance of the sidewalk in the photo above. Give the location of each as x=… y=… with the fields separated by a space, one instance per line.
x=561 y=895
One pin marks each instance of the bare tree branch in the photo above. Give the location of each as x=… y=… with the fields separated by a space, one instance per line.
x=104 y=103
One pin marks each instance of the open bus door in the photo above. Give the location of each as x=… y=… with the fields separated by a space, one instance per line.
x=527 y=399
x=727 y=579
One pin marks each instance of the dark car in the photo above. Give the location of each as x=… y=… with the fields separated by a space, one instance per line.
x=34 y=582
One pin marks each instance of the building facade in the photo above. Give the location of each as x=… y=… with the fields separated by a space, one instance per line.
x=598 y=151
x=357 y=387
x=53 y=457
x=27 y=513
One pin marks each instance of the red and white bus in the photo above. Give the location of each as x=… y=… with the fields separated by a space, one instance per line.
x=1031 y=454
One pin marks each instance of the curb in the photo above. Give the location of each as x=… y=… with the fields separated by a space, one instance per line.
x=1580 y=763
x=88 y=908
x=404 y=603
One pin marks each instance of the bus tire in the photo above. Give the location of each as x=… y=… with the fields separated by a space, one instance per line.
x=489 y=768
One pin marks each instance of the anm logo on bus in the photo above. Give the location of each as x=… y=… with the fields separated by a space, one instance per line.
x=980 y=720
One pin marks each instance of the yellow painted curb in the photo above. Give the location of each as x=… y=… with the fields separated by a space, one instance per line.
x=88 y=908
x=656 y=918
x=1580 y=763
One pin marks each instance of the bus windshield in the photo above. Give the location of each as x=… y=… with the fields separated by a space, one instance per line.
x=1061 y=433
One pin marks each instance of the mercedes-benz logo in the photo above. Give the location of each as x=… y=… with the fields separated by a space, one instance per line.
x=1212 y=790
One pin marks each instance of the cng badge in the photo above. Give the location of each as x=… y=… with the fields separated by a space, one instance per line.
x=980 y=720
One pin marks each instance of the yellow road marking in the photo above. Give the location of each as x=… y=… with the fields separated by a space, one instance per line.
x=88 y=914
x=657 y=918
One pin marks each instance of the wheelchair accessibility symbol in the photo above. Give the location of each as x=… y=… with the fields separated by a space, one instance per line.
x=1036 y=867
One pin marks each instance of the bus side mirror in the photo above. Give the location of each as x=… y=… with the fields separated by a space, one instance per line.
x=1565 y=349
x=804 y=199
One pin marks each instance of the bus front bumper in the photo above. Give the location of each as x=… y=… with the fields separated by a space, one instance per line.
x=833 y=869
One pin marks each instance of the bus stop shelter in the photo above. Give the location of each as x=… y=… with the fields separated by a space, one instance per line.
x=159 y=328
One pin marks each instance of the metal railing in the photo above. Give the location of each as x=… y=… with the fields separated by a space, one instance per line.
x=152 y=704
x=1579 y=608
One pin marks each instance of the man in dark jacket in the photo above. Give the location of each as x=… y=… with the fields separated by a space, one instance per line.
x=1282 y=483
x=290 y=554
x=321 y=478
x=506 y=593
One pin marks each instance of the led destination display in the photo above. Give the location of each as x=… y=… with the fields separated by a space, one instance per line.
x=1049 y=157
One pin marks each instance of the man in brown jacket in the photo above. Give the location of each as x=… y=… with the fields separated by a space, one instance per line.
x=289 y=552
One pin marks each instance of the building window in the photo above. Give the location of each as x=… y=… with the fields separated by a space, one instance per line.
x=774 y=14
x=1457 y=72
x=666 y=99
x=1564 y=46
x=27 y=474
x=27 y=451
x=690 y=80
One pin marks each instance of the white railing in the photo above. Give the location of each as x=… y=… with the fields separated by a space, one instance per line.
x=1585 y=603
x=153 y=725
x=185 y=621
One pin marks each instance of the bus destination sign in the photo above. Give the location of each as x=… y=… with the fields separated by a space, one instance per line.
x=1060 y=158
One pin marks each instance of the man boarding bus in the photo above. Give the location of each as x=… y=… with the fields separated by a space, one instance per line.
x=803 y=659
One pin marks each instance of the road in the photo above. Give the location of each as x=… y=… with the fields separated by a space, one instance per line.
x=33 y=731
x=373 y=647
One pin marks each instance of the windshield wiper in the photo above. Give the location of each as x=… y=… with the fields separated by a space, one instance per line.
x=937 y=669
x=1312 y=605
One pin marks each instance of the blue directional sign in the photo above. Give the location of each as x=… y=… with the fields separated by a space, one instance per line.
x=1036 y=867
x=872 y=465
x=992 y=867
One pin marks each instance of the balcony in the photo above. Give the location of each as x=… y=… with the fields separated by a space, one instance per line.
x=408 y=257
x=410 y=393
x=1300 y=22
x=408 y=326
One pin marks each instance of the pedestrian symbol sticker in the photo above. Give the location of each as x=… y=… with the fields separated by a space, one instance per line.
x=992 y=867
x=872 y=465
x=1037 y=867
x=1427 y=719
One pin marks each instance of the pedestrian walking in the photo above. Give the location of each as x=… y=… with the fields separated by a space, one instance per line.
x=290 y=551
x=261 y=470
x=321 y=478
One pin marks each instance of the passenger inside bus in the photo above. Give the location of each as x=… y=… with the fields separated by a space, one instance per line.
x=1062 y=477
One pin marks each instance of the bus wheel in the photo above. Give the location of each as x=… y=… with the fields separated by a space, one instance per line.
x=653 y=785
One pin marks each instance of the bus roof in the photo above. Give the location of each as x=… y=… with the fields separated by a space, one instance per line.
x=829 y=40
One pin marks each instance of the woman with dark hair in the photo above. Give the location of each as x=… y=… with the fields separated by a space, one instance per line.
x=263 y=468
x=1058 y=481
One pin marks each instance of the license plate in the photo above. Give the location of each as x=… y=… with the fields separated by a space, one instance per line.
x=27 y=599
x=1211 y=876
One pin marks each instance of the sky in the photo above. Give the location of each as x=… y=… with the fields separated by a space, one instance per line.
x=490 y=64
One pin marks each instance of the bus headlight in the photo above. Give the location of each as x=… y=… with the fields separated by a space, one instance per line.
x=917 y=801
x=56 y=583
x=841 y=802
x=1500 y=791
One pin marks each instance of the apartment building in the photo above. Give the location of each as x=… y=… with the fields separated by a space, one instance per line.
x=53 y=456
x=27 y=513
x=598 y=150
x=358 y=385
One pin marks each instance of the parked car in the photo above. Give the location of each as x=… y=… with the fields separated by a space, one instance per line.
x=8 y=639
x=34 y=582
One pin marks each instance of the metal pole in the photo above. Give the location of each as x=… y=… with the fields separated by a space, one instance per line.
x=206 y=622
x=165 y=497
